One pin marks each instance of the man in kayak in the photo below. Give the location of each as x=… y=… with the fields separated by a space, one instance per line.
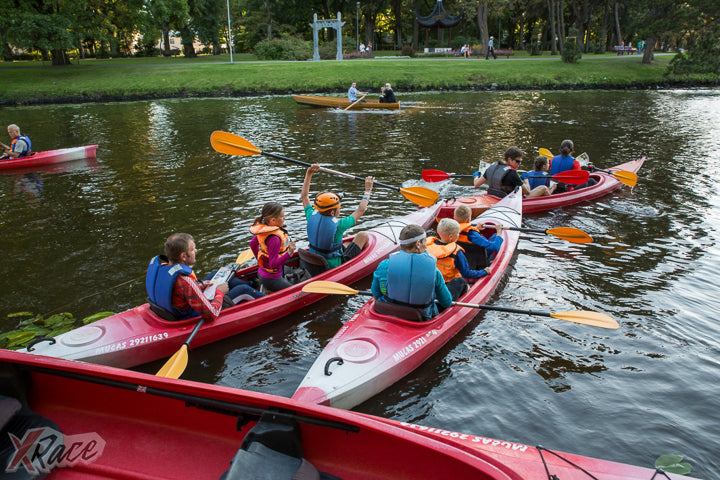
x=410 y=277
x=325 y=228
x=502 y=177
x=564 y=162
x=538 y=180
x=353 y=93
x=387 y=95
x=479 y=250
x=451 y=259
x=19 y=146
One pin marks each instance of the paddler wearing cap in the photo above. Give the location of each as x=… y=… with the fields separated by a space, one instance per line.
x=410 y=277
x=325 y=228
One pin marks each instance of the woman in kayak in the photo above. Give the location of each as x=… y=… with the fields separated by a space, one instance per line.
x=272 y=246
x=564 y=162
x=451 y=259
x=410 y=277
x=325 y=228
x=502 y=177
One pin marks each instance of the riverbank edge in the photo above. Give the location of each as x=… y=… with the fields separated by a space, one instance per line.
x=231 y=93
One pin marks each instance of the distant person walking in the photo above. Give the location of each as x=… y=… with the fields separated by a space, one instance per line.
x=362 y=49
x=490 y=49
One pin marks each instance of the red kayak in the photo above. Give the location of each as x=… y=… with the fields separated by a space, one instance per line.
x=606 y=183
x=373 y=351
x=139 y=335
x=120 y=424
x=50 y=157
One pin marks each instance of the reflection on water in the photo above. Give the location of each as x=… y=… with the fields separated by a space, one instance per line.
x=70 y=237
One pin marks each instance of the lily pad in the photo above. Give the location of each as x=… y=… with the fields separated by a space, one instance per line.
x=673 y=464
x=96 y=317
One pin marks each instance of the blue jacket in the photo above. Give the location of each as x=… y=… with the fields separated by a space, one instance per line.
x=159 y=283
x=321 y=231
x=561 y=163
x=536 y=178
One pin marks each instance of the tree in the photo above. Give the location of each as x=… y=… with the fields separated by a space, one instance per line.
x=653 y=19
x=167 y=15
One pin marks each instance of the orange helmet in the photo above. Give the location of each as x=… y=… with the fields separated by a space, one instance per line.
x=326 y=201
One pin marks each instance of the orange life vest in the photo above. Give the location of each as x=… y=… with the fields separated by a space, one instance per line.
x=464 y=230
x=262 y=232
x=445 y=254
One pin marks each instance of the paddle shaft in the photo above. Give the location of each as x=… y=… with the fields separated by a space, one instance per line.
x=356 y=101
x=195 y=330
x=328 y=170
x=503 y=309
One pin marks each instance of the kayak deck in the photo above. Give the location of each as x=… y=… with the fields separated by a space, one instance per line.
x=373 y=351
x=50 y=157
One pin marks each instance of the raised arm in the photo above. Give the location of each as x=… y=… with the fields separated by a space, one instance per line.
x=305 y=192
x=365 y=199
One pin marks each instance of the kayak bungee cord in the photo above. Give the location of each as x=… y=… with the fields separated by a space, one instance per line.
x=540 y=449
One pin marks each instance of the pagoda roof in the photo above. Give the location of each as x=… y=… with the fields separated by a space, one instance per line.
x=439 y=17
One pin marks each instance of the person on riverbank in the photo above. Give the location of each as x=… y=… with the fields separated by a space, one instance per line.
x=20 y=145
x=451 y=260
x=361 y=49
x=502 y=177
x=325 y=228
x=479 y=250
x=410 y=277
x=387 y=95
x=564 y=162
x=272 y=246
x=172 y=285
x=490 y=49
x=538 y=180
x=353 y=93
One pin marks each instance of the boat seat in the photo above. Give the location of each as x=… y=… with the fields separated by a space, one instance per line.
x=476 y=255
x=313 y=263
x=162 y=313
x=400 y=311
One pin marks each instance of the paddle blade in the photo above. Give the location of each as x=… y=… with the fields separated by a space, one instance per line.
x=245 y=256
x=584 y=317
x=572 y=177
x=231 y=144
x=422 y=196
x=432 y=175
x=628 y=178
x=544 y=152
x=570 y=234
x=176 y=365
x=329 y=288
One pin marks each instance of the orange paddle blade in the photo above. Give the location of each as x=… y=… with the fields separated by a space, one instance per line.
x=584 y=317
x=231 y=144
x=628 y=178
x=570 y=234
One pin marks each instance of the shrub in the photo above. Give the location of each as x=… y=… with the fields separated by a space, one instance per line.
x=407 y=51
x=285 y=48
x=571 y=53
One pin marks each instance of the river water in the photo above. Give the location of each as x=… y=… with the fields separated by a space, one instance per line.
x=79 y=239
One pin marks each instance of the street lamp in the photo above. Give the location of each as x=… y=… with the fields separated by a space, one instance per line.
x=357 y=24
x=230 y=45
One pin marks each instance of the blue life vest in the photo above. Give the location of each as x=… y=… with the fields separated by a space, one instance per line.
x=561 y=163
x=495 y=174
x=321 y=231
x=411 y=281
x=159 y=283
x=27 y=141
x=536 y=178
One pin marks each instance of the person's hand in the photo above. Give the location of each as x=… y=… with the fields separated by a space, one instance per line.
x=205 y=284
x=498 y=229
x=291 y=248
x=476 y=173
x=315 y=167
x=369 y=183
x=488 y=270
x=223 y=287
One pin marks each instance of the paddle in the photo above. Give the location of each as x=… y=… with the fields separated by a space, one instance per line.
x=628 y=178
x=568 y=234
x=176 y=365
x=352 y=104
x=584 y=317
x=225 y=273
x=571 y=177
x=231 y=144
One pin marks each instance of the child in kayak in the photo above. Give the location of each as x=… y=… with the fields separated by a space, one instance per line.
x=538 y=180
x=479 y=250
x=451 y=261
x=325 y=228
x=410 y=276
x=272 y=246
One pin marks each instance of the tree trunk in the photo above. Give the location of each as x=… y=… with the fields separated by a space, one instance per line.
x=416 y=27
x=561 y=24
x=397 y=10
x=269 y=19
x=553 y=28
x=604 y=28
x=616 y=13
x=649 y=51
x=59 y=57
x=482 y=24
x=166 y=39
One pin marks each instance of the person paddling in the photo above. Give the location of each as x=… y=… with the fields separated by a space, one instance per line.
x=564 y=162
x=19 y=146
x=353 y=93
x=502 y=177
x=272 y=246
x=410 y=277
x=325 y=228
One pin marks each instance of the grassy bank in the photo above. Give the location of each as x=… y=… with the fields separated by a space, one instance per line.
x=118 y=79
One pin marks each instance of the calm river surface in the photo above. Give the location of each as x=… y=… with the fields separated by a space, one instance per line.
x=79 y=240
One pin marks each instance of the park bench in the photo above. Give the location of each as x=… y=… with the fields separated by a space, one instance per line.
x=500 y=52
x=621 y=49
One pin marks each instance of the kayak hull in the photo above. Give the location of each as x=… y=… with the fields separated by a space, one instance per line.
x=373 y=351
x=50 y=157
x=139 y=336
x=341 y=102
x=147 y=427
x=606 y=183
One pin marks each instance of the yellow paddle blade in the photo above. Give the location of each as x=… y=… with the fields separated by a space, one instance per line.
x=570 y=234
x=175 y=367
x=422 y=196
x=544 y=152
x=628 y=178
x=245 y=256
x=225 y=142
x=329 y=288
x=584 y=317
